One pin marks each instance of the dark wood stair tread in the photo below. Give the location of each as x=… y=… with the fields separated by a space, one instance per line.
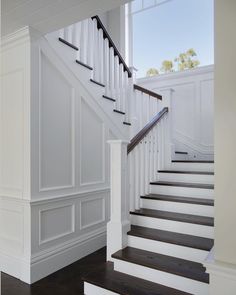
x=178 y=199
x=172 y=237
x=121 y=283
x=173 y=265
x=188 y=218
x=68 y=44
x=181 y=153
x=183 y=184
x=191 y=161
x=186 y=172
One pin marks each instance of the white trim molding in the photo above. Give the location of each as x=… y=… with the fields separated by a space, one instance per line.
x=222 y=276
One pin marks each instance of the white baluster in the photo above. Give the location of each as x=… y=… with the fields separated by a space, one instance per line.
x=117 y=83
x=90 y=43
x=121 y=86
x=112 y=72
x=95 y=53
x=82 y=42
x=151 y=170
x=132 y=181
x=62 y=33
x=142 y=168
x=127 y=97
x=106 y=67
x=101 y=52
x=66 y=34
x=137 y=175
x=77 y=39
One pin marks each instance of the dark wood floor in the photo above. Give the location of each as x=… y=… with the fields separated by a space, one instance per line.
x=66 y=281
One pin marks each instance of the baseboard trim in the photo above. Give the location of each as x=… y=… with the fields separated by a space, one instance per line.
x=47 y=262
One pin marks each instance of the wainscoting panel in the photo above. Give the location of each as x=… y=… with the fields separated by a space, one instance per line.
x=92 y=145
x=56 y=129
x=56 y=222
x=92 y=212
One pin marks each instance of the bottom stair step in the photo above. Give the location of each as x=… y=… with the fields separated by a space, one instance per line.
x=177 y=266
x=177 y=273
x=106 y=281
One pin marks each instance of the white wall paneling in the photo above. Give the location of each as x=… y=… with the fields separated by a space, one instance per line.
x=14 y=116
x=192 y=109
x=56 y=128
x=92 y=146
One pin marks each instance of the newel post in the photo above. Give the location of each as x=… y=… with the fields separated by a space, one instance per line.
x=168 y=139
x=119 y=223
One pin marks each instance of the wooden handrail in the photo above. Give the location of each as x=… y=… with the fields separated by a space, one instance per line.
x=147 y=91
x=111 y=44
x=141 y=134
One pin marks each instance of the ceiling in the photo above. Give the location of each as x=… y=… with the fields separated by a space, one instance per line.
x=48 y=15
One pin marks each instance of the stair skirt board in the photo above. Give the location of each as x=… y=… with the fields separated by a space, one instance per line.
x=198 y=230
x=181 y=191
x=201 y=210
x=90 y=289
x=192 y=178
x=161 y=277
x=168 y=249
x=209 y=167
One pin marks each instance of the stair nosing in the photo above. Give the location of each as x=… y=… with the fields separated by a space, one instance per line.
x=83 y=64
x=179 y=199
x=159 y=267
x=109 y=98
x=186 y=172
x=172 y=216
x=98 y=83
x=174 y=240
x=192 y=161
x=157 y=289
x=68 y=43
x=183 y=184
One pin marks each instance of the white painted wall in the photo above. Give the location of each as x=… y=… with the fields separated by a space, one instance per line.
x=54 y=185
x=222 y=266
x=192 y=109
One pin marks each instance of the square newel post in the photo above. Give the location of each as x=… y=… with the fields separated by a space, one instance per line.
x=168 y=140
x=119 y=223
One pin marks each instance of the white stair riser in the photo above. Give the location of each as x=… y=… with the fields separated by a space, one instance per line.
x=90 y=289
x=161 y=277
x=174 y=226
x=209 y=167
x=183 y=252
x=185 y=208
x=181 y=191
x=192 y=178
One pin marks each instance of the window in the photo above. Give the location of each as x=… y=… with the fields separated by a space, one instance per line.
x=162 y=29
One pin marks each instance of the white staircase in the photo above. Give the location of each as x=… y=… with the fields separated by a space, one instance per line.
x=162 y=210
x=171 y=234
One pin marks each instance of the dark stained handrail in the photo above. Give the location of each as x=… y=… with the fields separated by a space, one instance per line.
x=141 y=134
x=111 y=44
x=147 y=91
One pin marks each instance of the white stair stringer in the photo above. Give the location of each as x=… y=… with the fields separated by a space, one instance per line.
x=198 y=230
x=185 y=208
x=83 y=76
x=161 y=277
x=181 y=191
x=184 y=177
x=168 y=249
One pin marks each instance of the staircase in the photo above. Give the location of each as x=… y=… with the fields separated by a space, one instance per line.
x=170 y=237
x=161 y=227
